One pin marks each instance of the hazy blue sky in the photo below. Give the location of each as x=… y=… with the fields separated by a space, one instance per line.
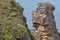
x=30 y=5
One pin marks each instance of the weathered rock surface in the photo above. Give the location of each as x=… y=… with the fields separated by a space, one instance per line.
x=43 y=21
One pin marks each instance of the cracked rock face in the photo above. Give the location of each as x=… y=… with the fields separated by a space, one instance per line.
x=43 y=21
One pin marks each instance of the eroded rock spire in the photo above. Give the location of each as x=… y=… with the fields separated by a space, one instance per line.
x=43 y=21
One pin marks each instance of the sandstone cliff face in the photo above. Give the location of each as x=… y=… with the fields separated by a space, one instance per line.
x=12 y=21
x=43 y=21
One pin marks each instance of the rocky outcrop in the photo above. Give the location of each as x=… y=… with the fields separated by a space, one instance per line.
x=43 y=21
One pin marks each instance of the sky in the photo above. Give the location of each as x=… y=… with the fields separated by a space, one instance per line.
x=30 y=5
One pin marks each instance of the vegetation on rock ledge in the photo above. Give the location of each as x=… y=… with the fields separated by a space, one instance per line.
x=11 y=20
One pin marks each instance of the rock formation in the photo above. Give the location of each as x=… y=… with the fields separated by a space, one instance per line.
x=43 y=21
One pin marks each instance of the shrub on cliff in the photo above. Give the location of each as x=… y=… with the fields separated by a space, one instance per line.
x=11 y=20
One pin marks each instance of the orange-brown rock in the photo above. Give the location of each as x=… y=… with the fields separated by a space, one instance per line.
x=43 y=21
